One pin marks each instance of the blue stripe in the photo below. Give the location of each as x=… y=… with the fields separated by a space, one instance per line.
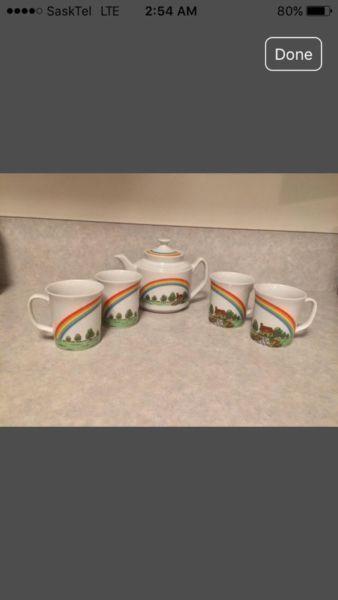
x=269 y=310
x=79 y=318
x=119 y=300
x=185 y=287
x=230 y=301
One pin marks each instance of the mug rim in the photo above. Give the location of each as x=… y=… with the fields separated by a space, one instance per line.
x=134 y=276
x=80 y=295
x=301 y=294
x=216 y=274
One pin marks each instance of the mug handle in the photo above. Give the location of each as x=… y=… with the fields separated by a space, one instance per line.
x=308 y=321
x=205 y=278
x=249 y=311
x=40 y=326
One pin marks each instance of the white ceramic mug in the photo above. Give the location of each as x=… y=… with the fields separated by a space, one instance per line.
x=276 y=314
x=121 y=297
x=229 y=297
x=75 y=310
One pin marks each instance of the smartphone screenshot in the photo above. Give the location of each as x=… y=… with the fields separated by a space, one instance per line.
x=169 y=256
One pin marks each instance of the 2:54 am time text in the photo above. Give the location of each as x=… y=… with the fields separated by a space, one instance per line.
x=171 y=11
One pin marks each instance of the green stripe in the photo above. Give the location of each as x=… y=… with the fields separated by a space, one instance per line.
x=185 y=287
x=239 y=309
x=269 y=310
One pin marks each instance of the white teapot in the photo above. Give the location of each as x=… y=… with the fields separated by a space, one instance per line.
x=166 y=278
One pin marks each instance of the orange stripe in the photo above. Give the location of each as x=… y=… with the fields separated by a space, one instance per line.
x=277 y=309
x=115 y=296
x=169 y=280
x=235 y=298
x=76 y=313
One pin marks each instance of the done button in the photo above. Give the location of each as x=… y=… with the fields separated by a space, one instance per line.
x=293 y=53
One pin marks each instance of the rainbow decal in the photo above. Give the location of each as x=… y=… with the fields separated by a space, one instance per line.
x=277 y=312
x=152 y=285
x=76 y=316
x=230 y=297
x=111 y=302
x=156 y=253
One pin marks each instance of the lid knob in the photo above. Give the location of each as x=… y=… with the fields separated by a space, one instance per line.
x=164 y=252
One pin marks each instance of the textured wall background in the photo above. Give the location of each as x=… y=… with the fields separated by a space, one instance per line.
x=34 y=252
x=284 y=202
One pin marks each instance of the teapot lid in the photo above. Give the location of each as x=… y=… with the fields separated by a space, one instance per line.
x=163 y=252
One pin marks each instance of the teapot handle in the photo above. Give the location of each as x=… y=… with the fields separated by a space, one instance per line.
x=201 y=285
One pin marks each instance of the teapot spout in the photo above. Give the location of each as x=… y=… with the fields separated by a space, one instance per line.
x=126 y=262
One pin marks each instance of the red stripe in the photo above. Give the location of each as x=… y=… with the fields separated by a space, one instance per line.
x=277 y=309
x=119 y=293
x=77 y=312
x=230 y=294
x=176 y=279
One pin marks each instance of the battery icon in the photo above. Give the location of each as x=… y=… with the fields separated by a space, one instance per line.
x=318 y=11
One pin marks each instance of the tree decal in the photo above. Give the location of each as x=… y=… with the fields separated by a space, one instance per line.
x=68 y=338
x=78 y=338
x=90 y=333
x=163 y=298
x=211 y=309
x=273 y=337
x=129 y=314
x=154 y=298
x=172 y=297
x=119 y=316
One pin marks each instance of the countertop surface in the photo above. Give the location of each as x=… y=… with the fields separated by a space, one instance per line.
x=168 y=370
